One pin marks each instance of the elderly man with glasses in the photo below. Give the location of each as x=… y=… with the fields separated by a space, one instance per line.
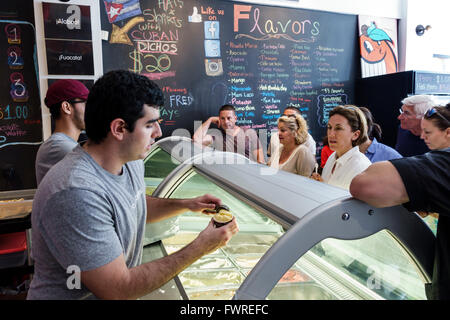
x=408 y=136
x=66 y=100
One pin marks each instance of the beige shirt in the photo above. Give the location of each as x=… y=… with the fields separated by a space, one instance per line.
x=275 y=144
x=301 y=161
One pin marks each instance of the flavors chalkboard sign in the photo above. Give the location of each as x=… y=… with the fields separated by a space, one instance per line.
x=20 y=110
x=258 y=58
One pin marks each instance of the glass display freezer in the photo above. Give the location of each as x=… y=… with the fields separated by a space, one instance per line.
x=298 y=238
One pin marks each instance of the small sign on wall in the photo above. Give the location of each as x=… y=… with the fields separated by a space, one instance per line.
x=378 y=45
x=68 y=39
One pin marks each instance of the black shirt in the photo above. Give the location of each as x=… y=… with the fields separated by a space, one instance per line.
x=427 y=182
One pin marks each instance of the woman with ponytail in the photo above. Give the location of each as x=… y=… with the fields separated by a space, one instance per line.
x=293 y=155
x=346 y=130
x=373 y=149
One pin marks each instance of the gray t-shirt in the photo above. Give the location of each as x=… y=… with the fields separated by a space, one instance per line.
x=245 y=142
x=84 y=217
x=52 y=151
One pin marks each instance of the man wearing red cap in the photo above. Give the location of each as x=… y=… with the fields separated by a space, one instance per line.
x=66 y=100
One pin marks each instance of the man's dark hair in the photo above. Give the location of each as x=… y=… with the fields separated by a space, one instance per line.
x=293 y=108
x=55 y=110
x=118 y=94
x=227 y=107
x=440 y=116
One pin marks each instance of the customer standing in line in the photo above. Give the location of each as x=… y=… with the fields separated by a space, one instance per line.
x=275 y=141
x=419 y=183
x=408 y=135
x=66 y=100
x=293 y=155
x=346 y=130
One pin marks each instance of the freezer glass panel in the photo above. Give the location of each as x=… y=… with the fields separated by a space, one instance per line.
x=376 y=267
x=248 y=218
x=158 y=164
x=432 y=220
x=219 y=274
x=370 y=268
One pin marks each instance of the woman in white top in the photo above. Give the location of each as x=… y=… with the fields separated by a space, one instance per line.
x=346 y=130
x=293 y=155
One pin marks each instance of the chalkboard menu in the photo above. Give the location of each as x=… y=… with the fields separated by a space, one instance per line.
x=20 y=110
x=258 y=58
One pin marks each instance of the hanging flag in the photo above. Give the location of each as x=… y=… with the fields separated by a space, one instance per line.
x=117 y=10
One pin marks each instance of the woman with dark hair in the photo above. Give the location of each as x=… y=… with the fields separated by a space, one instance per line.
x=346 y=130
x=436 y=128
x=293 y=155
x=373 y=149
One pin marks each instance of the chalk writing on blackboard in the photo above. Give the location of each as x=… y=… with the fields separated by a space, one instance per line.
x=20 y=112
x=154 y=37
x=15 y=59
x=325 y=103
x=17 y=118
x=296 y=31
x=258 y=58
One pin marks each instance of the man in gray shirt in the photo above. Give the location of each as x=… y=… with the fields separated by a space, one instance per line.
x=66 y=100
x=230 y=137
x=90 y=210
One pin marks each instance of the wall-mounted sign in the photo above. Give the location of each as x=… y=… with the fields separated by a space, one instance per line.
x=68 y=39
x=69 y=57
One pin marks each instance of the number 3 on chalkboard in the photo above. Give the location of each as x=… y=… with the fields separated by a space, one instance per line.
x=18 y=90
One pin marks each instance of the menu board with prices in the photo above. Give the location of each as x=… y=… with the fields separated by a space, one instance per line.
x=260 y=59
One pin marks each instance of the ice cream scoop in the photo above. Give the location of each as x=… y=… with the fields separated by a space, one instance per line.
x=223 y=216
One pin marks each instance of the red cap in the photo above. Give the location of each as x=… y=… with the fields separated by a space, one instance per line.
x=64 y=90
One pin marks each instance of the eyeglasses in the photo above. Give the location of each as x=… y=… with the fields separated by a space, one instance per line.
x=432 y=112
x=76 y=101
x=408 y=114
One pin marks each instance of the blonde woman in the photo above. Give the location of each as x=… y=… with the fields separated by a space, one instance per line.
x=346 y=130
x=293 y=155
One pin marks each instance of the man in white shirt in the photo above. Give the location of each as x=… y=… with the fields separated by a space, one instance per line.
x=345 y=168
x=66 y=100
x=275 y=141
